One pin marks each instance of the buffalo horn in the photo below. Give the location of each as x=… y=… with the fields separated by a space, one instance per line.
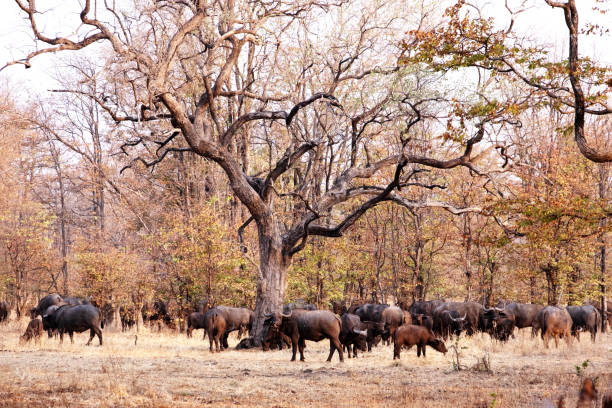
x=361 y=332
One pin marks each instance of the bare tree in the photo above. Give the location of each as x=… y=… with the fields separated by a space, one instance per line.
x=221 y=79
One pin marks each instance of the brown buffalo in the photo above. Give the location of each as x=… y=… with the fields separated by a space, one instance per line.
x=215 y=327
x=409 y=335
x=555 y=322
x=33 y=331
x=393 y=317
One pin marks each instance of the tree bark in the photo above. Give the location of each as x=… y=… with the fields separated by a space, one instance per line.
x=272 y=278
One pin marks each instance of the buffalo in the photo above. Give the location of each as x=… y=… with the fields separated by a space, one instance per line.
x=276 y=340
x=354 y=333
x=605 y=316
x=422 y=320
x=74 y=318
x=498 y=322
x=471 y=312
x=215 y=327
x=584 y=318
x=339 y=308
x=299 y=305
x=33 y=331
x=372 y=312
x=524 y=313
x=301 y=325
x=127 y=314
x=203 y=306
x=555 y=322
x=448 y=323
x=393 y=317
x=426 y=307
x=236 y=318
x=4 y=311
x=196 y=321
x=409 y=335
x=45 y=303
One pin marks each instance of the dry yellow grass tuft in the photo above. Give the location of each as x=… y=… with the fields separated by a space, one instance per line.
x=170 y=370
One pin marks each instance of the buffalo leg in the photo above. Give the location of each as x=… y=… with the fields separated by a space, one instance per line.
x=98 y=332
x=331 y=349
x=71 y=334
x=92 y=334
x=301 y=345
x=334 y=344
x=210 y=340
x=294 y=345
x=218 y=339
x=396 y=350
x=224 y=343
x=189 y=330
x=204 y=336
x=419 y=350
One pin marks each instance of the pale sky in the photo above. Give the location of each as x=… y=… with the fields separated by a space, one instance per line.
x=541 y=22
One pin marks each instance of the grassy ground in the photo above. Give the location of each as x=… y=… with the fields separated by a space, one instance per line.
x=167 y=369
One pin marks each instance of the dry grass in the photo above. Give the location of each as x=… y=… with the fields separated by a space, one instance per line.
x=170 y=370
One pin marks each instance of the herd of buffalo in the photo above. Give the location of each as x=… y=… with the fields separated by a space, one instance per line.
x=358 y=327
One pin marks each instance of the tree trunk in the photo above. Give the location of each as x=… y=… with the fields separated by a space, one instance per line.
x=272 y=279
x=467 y=243
x=603 y=185
x=116 y=323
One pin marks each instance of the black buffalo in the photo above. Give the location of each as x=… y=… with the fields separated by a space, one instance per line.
x=448 y=323
x=584 y=318
x=45 y=303
x=425 y=307
x=422 y=320
x=524 y=313
x=73 y=318
x=472 y=312
x=4 y=311
x=372 y=312
x=605 y=316
x=354 y=334
x=128 y=317
x=555 y=322
x=75 y=301
x=302 y=325
x=196 y=321
x=498 y=322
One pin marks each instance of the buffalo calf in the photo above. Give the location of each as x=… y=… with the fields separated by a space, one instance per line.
x=33 y=331
x=409 y=335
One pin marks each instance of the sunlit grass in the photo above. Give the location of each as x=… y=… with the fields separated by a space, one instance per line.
x=169 y=369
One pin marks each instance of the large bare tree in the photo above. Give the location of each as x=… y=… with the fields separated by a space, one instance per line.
x=313 y=89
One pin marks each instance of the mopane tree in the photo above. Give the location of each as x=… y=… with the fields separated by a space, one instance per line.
x=301 y=103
